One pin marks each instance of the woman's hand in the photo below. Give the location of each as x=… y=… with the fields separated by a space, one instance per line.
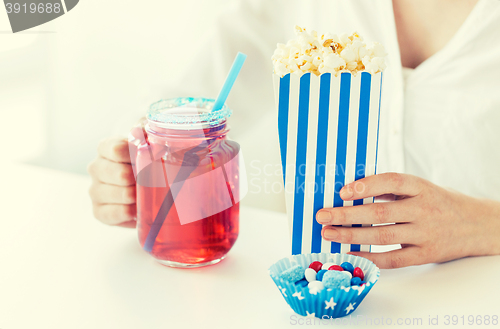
x=432 y=224
x=113 y=184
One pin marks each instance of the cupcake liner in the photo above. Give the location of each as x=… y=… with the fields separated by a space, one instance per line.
x=329 y=303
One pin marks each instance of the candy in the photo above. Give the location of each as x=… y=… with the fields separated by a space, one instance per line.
x=335 y=268
x=355 y=281
x=293 y=274
x=347 y=267
x=316 y=279
x=310 y=274
x=316 y=266
x=358 y=273
x=320 y=274
x=302 y=282
x=315 y=287
x=326 y=266
x=336 y=279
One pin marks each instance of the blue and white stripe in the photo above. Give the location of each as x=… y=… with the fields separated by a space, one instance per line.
x=328 y=134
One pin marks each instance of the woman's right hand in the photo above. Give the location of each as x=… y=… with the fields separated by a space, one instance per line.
x=113 y=184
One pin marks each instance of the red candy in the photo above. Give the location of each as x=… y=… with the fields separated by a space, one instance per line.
x=316 y=266
x=358 y=273
x=335 y=268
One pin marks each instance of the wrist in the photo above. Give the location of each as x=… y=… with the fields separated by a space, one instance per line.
x=484 y=218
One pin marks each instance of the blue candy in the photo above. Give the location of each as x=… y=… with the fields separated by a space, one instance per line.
x=302 y=283
x=347 y=267
x=293 y=274
x=320 y=274
x=336 y=279
x=355 y=281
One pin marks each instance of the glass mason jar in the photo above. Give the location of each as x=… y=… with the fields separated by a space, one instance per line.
x=187 y=182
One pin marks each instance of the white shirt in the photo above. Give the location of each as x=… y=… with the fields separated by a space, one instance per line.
x=441 y=125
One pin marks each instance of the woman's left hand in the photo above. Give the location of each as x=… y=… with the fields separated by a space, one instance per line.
x=432 y=224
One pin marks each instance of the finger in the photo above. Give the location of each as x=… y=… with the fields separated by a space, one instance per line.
x=389 y=183
x=376 y=213
x=394 y=259
x=112 y=194
x=114 y=149
x=112 y=214
x=110 y=172
x=386 y=197
x=129 y=224
x=377 y=235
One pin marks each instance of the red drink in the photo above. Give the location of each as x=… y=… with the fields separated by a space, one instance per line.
x=187 y=191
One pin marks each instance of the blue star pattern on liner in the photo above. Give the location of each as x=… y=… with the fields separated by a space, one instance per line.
x=349 y=308
x=298 y=295
x=359 y=289
x=330 y=304
x=282 y=291
x=315 y=287
x=310 y=315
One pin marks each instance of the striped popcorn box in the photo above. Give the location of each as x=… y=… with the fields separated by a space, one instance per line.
x=328 y=135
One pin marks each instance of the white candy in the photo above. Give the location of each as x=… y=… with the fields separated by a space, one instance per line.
x=348 y=274
x=315 y=287
x=310 y=274
x=326 y=266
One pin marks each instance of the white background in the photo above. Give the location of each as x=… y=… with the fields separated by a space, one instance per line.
x=90 y=73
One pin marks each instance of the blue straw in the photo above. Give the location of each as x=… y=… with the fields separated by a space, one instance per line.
x=230 y=79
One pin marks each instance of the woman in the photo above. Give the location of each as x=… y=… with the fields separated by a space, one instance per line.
x=439 y=119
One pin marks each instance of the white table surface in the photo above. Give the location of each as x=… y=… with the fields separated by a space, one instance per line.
x=61 y=268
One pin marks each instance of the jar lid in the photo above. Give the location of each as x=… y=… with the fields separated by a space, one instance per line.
x=187 y=113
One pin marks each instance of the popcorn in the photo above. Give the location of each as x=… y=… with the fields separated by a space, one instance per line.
x=348 y=55
x=317 y=53
x=332 y=63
